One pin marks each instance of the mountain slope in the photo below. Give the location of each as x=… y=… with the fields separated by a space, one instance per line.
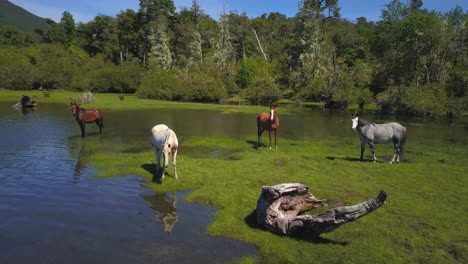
x=13 y=15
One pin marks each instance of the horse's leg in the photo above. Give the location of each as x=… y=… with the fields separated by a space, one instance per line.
x=371 y=146
x=396 y=154
x=174 y=163
x=363 y=146
x=82 y=127
x=259 y=133
x=276 y=138
x=163 y=167
x=269 y=136
x=98 y=123
x=101 y=124
x=399 y=151
x=157 y=153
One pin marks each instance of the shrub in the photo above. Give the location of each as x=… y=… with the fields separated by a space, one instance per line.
x=160 y=84
x=428 y=100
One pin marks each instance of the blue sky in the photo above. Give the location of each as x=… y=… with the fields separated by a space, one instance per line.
x=86 y=10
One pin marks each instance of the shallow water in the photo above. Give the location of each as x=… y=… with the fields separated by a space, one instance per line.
x=54 y=211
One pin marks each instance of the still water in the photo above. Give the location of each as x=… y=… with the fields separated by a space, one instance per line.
x=53 y=211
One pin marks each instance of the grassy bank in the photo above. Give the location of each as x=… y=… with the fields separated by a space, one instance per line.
x=423 y=221
x=111 y=101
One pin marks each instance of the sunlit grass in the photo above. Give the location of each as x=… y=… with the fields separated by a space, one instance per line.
x=130 y=102
x=424 y=219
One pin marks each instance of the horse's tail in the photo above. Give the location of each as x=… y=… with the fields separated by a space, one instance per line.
x=152 y=139
x=403 y=143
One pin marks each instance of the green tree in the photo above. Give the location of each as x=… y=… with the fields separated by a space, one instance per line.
x=100 y=36
x=16 y=70
x=160 y=54
x=224 y=53
x=11 y=36
x=313 y=58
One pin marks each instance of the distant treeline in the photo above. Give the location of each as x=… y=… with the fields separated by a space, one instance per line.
x=413 y=60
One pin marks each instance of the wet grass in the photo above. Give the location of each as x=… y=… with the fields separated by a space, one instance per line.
x=424 y=219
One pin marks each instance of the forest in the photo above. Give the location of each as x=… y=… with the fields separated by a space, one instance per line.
x=411 y=61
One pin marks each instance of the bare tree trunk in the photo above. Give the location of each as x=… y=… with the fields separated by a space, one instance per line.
x=260 y=45
x=279 y=206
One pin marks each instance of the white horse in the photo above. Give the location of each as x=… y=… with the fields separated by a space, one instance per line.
x=164 y=140
x=380 y=133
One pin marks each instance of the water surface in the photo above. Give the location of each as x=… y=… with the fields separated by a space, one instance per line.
x=54 y=211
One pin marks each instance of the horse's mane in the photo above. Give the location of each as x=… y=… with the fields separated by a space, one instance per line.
x=363 y=122
x=78 y=107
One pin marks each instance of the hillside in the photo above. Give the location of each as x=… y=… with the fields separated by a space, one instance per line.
x=13 y=15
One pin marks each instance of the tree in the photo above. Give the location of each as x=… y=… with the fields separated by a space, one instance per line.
x=188 y=39
x=224 y=53
x=312 y=57
x=68 y=24
x=128 y=31
x=153 y=12
x=153 y=9
x=160 y=54
x=11 y=36
x=416 y=4
x=100 y=36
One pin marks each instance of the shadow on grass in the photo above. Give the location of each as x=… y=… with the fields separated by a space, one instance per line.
x=151 y=168
x=251 y=221
x=352 y=159
x=254 y=144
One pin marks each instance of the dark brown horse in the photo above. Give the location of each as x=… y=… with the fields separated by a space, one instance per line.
x=270 y=122
x=84 y=116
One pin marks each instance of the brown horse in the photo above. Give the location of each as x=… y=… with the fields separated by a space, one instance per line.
x=84 y=116
x=268 y=122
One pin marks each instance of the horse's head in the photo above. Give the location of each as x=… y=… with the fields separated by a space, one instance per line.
x=74 y=108
x=167 y=152
x=272 y=112
x=355 y=119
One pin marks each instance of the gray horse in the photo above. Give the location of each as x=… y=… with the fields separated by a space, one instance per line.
x=380 y=133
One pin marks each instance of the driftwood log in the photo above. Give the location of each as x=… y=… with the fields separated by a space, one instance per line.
x=279 y=208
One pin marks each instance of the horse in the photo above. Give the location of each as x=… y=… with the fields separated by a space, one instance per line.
x=380 y=133
x=84 y=117
x=268 y=122
x=164 y=141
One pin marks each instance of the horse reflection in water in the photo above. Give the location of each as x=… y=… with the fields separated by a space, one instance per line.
x=81 y=163
x=165 y=205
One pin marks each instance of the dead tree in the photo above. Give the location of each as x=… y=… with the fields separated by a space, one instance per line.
x=279 y=208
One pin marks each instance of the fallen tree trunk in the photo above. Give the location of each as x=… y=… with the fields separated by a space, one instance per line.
x=279 y=208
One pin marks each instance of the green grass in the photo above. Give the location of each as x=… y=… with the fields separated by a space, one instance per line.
x=131 y=102
x=423 y=221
